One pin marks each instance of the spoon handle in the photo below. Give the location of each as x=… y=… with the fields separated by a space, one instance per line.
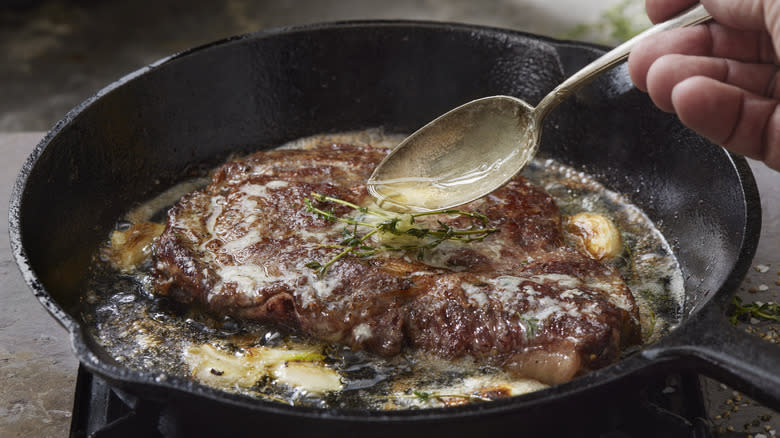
x=692 y=16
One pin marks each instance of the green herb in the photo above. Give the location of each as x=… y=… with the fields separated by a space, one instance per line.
x=651 y=325
x=531 y=325
x=427 y=396
x=355 y=237
x=423 y=396
x=629 y=259
x=767 y=311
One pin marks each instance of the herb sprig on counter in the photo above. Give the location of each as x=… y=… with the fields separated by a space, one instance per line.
x=394 y=232
x=758 y=310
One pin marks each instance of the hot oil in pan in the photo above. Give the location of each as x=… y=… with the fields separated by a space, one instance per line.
x=647 y=263
x=155 y=335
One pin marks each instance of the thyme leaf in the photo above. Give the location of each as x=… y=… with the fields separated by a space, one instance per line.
x=758 y=310
x=531 y=325
x=423 y=396
x=355 y=236
x=652 y=321
x=428 y=396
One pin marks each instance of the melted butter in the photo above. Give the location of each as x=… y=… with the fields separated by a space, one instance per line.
x=433 y=193
x=403 y=195
x=458 y=160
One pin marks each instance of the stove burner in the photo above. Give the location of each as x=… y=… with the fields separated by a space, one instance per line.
x=669 y=406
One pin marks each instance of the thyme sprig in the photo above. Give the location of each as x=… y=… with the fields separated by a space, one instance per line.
x=355 y=241
x=767 y=311
x=429 y=396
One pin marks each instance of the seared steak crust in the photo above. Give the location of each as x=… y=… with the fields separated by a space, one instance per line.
x=519 y=299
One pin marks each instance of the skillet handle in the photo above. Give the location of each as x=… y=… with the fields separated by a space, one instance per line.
x=712 y=346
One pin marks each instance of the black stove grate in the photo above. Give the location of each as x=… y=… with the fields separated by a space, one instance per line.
x=669 y=406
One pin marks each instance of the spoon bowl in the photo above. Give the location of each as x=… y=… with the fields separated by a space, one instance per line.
x=478 y=147
x=482 y=143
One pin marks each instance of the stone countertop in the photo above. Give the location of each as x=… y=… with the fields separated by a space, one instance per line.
x=38 y=368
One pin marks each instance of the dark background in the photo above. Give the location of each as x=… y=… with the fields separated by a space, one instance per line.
x=56 y=53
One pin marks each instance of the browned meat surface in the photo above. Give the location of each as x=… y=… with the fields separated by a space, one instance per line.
x=519 y=299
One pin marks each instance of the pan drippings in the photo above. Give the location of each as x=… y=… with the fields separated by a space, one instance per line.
x=156 y=335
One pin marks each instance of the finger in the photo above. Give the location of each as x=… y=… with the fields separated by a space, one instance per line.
x=712 y=40
x=739 y=120
x=660 y=10
x=741 y=14
x=667 y=71
x=692 y=41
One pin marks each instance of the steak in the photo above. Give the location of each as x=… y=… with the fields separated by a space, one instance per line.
x=518 y=299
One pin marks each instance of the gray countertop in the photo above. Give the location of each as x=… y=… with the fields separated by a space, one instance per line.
x=38 y=369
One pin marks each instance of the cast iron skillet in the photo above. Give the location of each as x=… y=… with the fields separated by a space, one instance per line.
x=155 y=126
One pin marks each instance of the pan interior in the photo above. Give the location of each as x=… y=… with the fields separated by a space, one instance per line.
x=151 y=334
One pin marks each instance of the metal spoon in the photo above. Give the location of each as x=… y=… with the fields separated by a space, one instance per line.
x=477 y=147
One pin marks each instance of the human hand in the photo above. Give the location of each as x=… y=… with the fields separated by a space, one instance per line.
x=720 y=78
